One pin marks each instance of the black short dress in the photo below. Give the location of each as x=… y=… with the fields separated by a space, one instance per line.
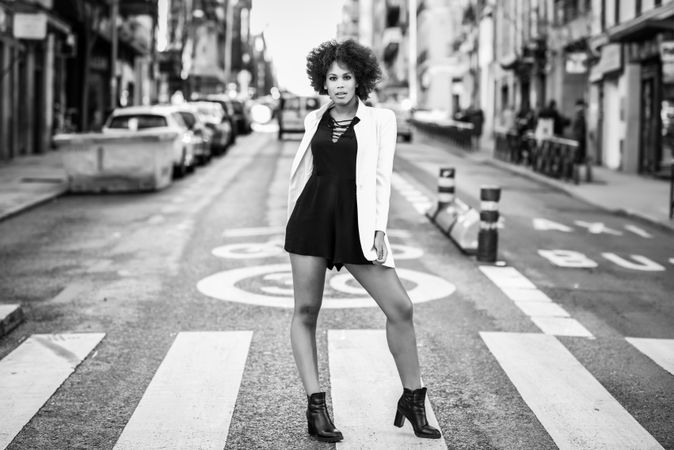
x=324 y=221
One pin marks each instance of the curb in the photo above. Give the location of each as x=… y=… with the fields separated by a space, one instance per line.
x=38 y=200
x=561 y=187
x=10 y=317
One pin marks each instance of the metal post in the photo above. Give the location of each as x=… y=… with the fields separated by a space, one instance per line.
x=487 y=238
x=114 y=13
x=671 y=191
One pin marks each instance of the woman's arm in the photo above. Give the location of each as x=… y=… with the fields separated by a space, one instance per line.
x=387 y=136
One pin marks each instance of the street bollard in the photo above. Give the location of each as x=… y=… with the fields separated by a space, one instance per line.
x=446 y=186
x=487 y=239
x=445 y=193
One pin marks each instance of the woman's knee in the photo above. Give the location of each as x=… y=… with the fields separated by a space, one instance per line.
x=401 y=311
x=307 y=314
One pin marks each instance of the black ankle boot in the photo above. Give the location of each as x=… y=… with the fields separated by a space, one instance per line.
x=318 y=420
x=411 y=407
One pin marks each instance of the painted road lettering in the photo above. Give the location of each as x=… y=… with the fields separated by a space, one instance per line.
x=577 y=260
x=542 y=224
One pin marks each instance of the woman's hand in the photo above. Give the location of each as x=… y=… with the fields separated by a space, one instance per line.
x=380 y=247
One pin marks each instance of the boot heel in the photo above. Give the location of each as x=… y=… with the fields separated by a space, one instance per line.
x=311 y=430
x=399 y=419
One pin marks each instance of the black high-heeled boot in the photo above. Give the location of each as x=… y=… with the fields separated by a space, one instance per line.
x=411 y=407
x=318 y=420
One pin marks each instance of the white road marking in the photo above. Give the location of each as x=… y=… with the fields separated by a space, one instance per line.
x=31 y=374
x=661 y=351
x=597 y=228
x=568 y=258
x=542 y=224
x=265 y=231
x=642 y=263
x=419 y=200
x=561 y=326
x=190 y=401
x=225 y=286
x=526 y=295
x=542 y=309
x=507 y=277
x=638 y=231
x=550 y=317
x=365 y=389
x=573 y=407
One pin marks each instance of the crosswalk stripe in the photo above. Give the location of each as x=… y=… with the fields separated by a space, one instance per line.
x=550 y=317
x=365 y=389
x=190 y=401
x=570 y=403
x=31 y=374
x=661 y=351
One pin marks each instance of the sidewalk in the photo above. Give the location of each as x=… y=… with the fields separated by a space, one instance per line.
x=27 y=181
x=618 y=192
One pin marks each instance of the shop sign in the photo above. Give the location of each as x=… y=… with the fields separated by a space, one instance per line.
x=609 y=61
x=576 y=62
x=30 y=26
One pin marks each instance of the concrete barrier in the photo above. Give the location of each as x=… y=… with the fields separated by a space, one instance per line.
x=120 y=162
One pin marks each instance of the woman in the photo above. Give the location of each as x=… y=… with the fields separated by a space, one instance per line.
x=338 y=204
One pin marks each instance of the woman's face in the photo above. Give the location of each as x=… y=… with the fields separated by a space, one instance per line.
x=340 y=84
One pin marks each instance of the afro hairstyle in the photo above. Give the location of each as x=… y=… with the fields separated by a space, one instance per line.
x=359 y=59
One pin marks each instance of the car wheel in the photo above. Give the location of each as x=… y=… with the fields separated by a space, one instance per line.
x=180 y=169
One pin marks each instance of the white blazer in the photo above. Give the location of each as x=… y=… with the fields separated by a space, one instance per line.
x=376 y=133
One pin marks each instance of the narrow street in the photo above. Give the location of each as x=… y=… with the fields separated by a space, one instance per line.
x=184 y=297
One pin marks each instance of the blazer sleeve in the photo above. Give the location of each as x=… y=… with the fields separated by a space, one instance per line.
x=387 y=137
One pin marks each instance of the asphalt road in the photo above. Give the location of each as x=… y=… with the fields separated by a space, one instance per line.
x=172 y=311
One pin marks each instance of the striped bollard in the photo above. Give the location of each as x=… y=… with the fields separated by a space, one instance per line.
x=445 y=193
x=446 y=186
x=487 y=239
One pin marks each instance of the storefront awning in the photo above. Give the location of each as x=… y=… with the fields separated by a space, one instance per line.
x=641 y=31
x=645 y=26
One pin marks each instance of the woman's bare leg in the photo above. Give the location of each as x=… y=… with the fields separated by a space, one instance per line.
x=308 y=284
x=383 y=284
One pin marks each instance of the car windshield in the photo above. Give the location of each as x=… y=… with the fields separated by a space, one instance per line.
x=137 y=121
x=188 y=118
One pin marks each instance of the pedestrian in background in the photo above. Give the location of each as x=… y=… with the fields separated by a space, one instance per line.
x=338 y=204
x=559 y=122
x=579 y=131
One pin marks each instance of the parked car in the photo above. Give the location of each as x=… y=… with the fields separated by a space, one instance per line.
x=292 y=110
x=202 y=133
x=135 y=118
x=237 y=110
x=403 y=116
x=228 y=110
x=214 y=116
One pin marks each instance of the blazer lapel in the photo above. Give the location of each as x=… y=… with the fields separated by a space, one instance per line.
x=306 y=139
x=364 y=130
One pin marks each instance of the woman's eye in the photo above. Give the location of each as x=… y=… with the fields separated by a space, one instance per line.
x=347 y=77
x=332 y=78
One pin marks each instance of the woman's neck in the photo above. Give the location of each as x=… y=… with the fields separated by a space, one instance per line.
x=346 y=111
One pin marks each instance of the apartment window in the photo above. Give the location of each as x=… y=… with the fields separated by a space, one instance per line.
x=602 y=17
x=658 y=2
x=637 y=7
x=616 y=13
